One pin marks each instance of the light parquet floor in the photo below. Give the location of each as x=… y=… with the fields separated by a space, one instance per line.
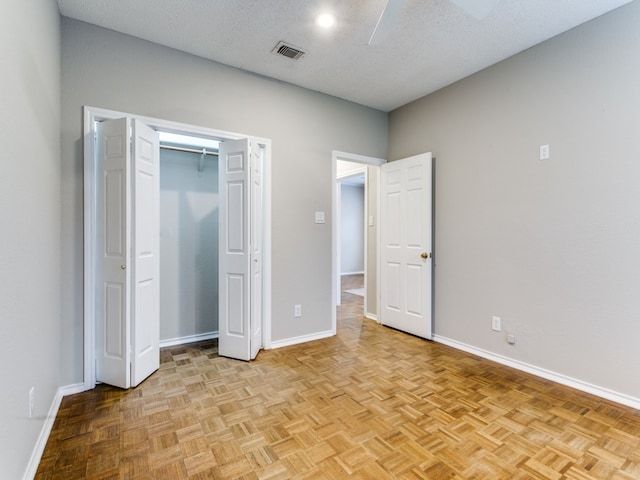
x=370 y=403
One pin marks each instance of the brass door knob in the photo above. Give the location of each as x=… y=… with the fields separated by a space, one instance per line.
x=425 y=255
x=123 y=267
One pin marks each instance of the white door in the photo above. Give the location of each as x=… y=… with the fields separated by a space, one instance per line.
x=112 y=299
x=406 y=260
x=240 y=261
x=145 y=208
x=127 y=298
x=256 y=230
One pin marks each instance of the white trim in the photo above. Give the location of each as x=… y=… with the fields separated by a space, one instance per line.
x=379 y=250
x=45 y=432
x=335 y=217
x=170 y=342
x=93 y=115
x=353 y=173
x=72 y=389
x=336 y=230
x=352 y=273
x=266 y=245
x=335 y=247
x=354 y=157
x=371 y=316
x=41 y=442
x=602 y=392
x=302 y=339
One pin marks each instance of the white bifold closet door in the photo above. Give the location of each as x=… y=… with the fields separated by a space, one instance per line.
x=240 y=242
x=127 y=263
x=127 y=302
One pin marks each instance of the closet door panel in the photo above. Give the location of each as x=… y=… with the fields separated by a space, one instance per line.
x=112 y=239
x=146 y=259
x=234 y=307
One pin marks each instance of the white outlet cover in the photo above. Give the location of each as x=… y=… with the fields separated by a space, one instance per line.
x=544 y=152
x=319 y=217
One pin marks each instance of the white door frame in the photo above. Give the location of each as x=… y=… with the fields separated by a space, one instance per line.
x=91 y=116
x=335 y=217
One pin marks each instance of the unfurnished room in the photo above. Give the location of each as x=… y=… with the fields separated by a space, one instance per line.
x=368 y=239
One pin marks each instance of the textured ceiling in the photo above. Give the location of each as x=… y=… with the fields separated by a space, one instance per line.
x=433 y=44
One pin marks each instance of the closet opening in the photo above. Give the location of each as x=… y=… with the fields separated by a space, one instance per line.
x=123 y=305
x=188 y=239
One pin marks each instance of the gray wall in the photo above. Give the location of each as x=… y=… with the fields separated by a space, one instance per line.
x=371 y=308
x=550 y=246
x=105 y=69
x=188 y=245
x=351 y=229
x=30 y=212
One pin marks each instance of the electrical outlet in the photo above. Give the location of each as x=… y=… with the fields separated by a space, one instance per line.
x=32 y=401
x=297 y=311
x=496 y=324
x=511 y=339
x=544 y=152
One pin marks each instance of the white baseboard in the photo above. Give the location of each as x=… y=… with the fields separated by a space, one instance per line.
x=371 y=316
x=302 y=339
x=73 y=388
x=602 y=392
x=170 y=342
x=41 y=443
x=352 y=273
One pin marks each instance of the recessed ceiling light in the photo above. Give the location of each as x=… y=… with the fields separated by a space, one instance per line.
x=325 y=20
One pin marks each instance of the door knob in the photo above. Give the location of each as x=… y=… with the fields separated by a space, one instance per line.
x=123 y=267
x=425 y=255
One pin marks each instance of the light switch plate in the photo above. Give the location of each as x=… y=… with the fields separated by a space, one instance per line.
x=319 y=217
x=496 y=324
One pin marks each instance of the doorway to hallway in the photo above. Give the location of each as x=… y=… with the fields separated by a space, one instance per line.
x=349 y=165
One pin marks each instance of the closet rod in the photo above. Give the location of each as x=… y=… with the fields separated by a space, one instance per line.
x=189 y=150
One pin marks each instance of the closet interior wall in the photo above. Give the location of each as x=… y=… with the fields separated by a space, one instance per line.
x=188 y=246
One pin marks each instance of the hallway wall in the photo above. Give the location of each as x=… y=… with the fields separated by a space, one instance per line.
x=352 y=229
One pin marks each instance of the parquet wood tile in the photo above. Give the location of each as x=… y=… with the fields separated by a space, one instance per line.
x=370 y=403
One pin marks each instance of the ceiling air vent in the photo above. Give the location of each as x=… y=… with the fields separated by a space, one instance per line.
x=288 y=51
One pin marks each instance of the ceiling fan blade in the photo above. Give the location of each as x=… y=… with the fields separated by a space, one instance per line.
x=386 y=22
x=478 y=9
